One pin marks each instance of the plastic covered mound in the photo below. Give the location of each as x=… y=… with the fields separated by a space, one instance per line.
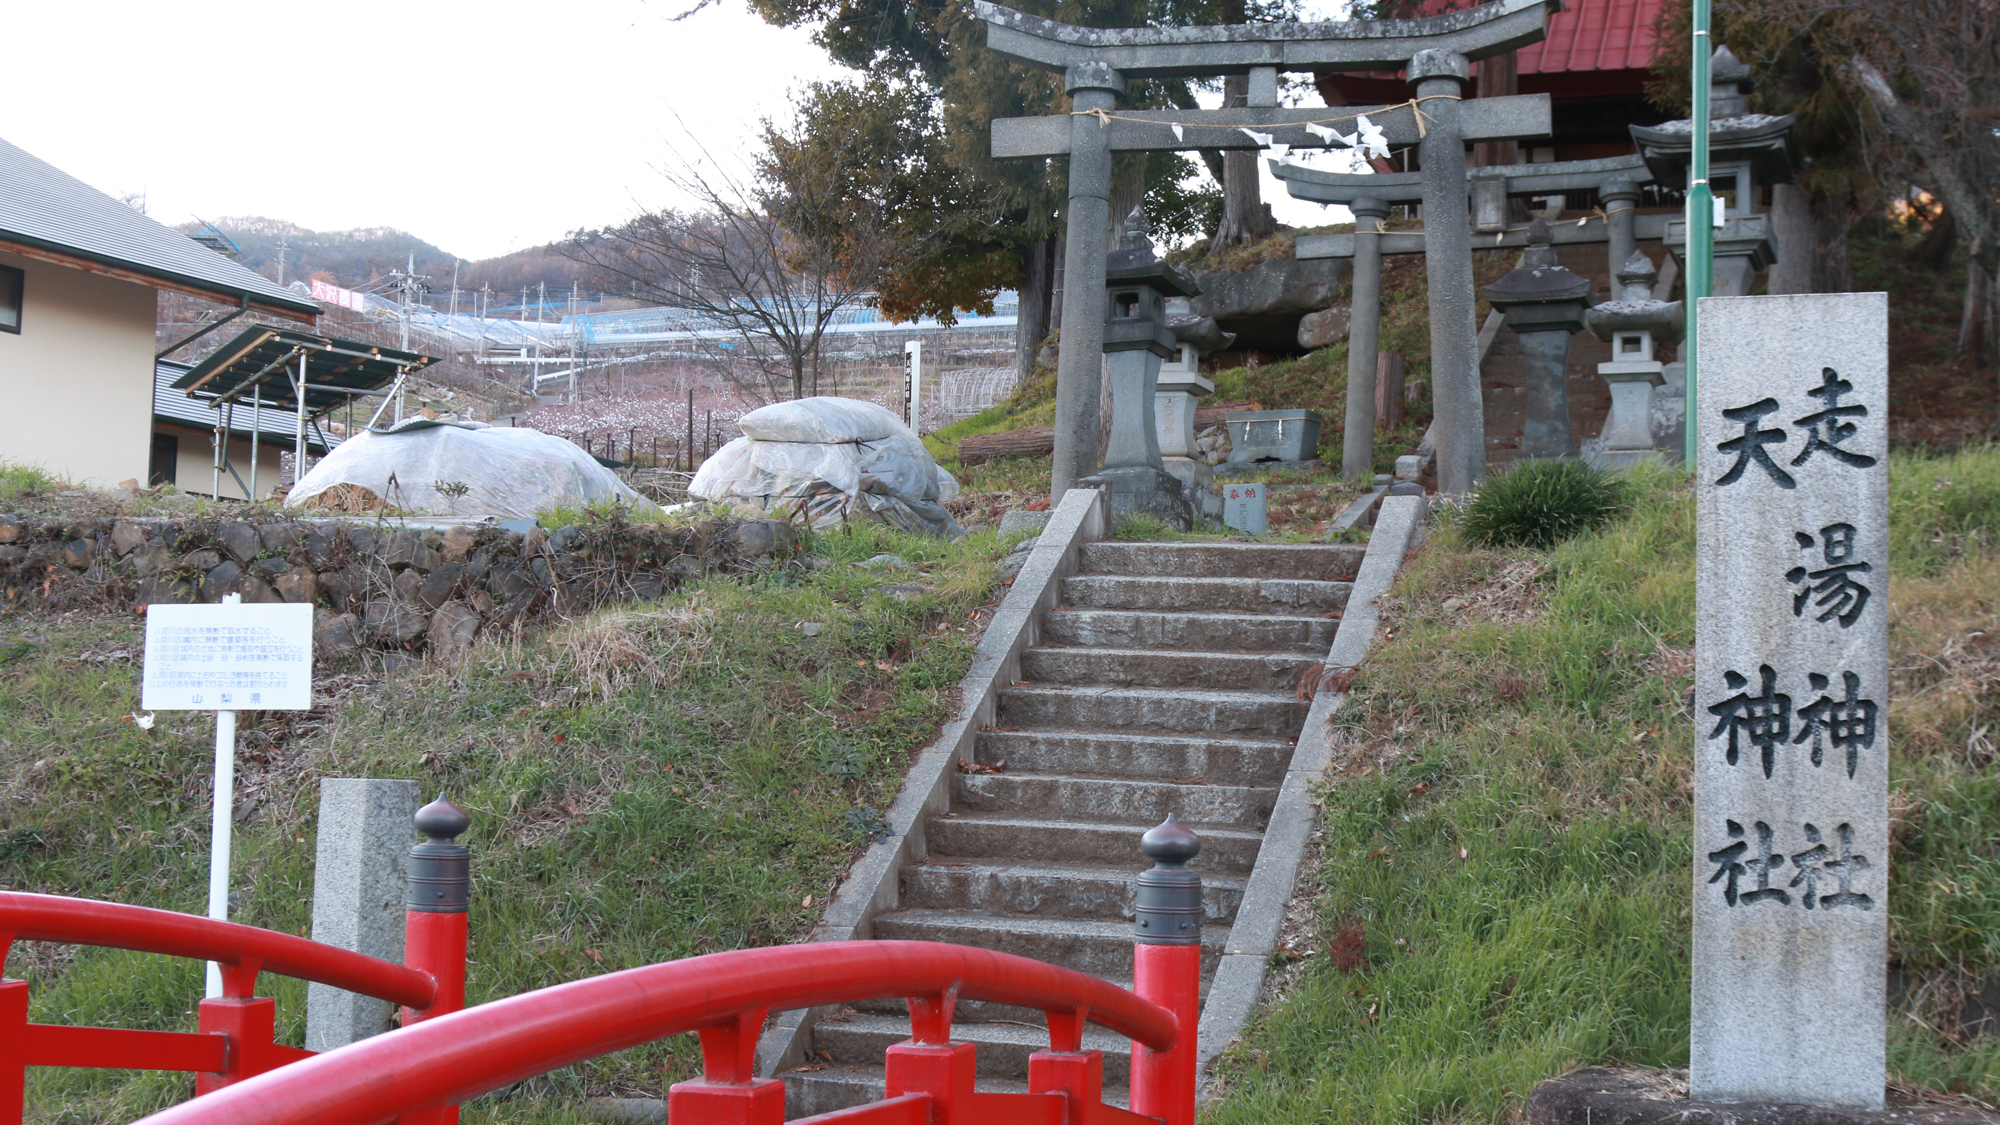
x=511 y=473
x=836 y=459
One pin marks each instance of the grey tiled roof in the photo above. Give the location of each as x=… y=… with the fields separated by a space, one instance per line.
x=44 y=207
x=274 y=427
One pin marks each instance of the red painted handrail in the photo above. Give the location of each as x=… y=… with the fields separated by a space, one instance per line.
x=452 y=1058
x=242 y=951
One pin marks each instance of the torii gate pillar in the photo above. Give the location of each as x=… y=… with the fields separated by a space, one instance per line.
x=1080 y=363
x=1439 y=77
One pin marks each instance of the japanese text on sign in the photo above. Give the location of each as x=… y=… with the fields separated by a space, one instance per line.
x=228 y=658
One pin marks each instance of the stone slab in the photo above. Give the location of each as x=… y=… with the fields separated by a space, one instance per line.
x=365 y=833
x=1636 y=1096
x=1791 y=815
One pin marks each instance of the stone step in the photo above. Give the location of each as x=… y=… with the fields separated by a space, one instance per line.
x=1267 y=714
x=845 y=1085
x=1218 y=761
x=1146 y=667
x=1099 y=948
x=1322 y=562
x=995 y=838
x=1288 y=597
x=1097 y=799
x=1192 y=632
x=1046 y=890
x=859 y=1039
x=987 y=1011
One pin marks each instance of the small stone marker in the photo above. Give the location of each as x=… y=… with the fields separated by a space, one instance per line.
x=358 y=895
x=1791 y=821
x=1243 y=507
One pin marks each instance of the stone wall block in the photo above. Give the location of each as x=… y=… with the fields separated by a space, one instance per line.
x=10 y=529
x=476 y=565
x=256 y=590
x=406 y=548
x=453 y=626
x=280 y=538
x=240 y=540
x=510 y=583
x=266 y=567
x=563 y=538
x=127 y=537
x=539 y=567
x=337 y=632
x=299 y=584
x=481 y=601
x=320 y=544
x=394 y=621
x=149 y=561
x=438 y=588
x=362 y=539
x=77 y=552
x=223 y=579
x=406 y=584
x=12 y=553
x=203 y=559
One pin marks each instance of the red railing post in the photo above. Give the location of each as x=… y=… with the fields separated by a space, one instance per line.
x=1166 y=969
x=434 y=934
x=729 y=1091
x=1067 y=1069
x=928 y=1062
x=13 y=1045
x=250 y=1024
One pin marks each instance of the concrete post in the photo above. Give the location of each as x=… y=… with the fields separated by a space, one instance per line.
x=1620 y=199
x=1087 y=222
x=1440 y=75
x=364 y=837
x=1364 y=331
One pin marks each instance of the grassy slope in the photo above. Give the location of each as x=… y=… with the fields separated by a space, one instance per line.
x=1505 y=842
x=645 y=784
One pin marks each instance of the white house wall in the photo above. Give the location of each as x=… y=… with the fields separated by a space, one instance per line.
x=79 y=376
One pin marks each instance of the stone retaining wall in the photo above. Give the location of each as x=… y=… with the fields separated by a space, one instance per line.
x=378 y=587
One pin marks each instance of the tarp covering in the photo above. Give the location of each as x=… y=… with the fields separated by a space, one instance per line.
x=839 y=458
x=512 y=473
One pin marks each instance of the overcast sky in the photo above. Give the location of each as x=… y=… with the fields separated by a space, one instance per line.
x=480 y=127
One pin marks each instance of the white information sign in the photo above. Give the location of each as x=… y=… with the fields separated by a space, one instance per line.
x=228 y=657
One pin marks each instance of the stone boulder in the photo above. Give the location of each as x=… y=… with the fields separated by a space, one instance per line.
x=453 y=626
x=1264 y=304
x=240 y=540
x=1323 y=328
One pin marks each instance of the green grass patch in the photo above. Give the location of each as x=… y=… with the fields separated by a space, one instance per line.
x=1501 y=893
x=647 y=783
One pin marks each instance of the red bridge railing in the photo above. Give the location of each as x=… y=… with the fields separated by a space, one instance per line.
x=443 y=1056
x=234 y=1038
x=724 y=997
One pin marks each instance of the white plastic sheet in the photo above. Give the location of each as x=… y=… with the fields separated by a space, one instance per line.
x=841 y=457
x=511 y=473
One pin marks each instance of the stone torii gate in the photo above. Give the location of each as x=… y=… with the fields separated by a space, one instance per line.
x=1616 y=181
x=1435 y=51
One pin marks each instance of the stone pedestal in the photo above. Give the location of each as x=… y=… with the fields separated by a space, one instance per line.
x=1140 y=483
x=1628 y=433
x=1637 y=1096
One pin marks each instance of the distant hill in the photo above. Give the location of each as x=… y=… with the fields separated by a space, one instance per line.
x=356 y=259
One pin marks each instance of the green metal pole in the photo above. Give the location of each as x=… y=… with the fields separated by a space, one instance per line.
x=1700 y=217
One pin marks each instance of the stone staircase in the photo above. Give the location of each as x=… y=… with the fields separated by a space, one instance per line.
x=1165 y=681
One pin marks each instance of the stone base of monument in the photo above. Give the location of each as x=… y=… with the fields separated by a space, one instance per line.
x=1018 y=519
x=1638 y=1096
x=1614 y=459
x=1142 y=490
x=1246 y=470
x=1198 y=484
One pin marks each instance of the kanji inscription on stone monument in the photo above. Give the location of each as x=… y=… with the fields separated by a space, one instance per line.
x=1791 y=700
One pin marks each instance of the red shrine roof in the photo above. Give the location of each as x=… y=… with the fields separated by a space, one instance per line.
x=1591 y=35
x=1594 y=49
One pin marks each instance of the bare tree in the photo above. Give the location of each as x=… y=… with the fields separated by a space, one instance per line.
x=760 y=265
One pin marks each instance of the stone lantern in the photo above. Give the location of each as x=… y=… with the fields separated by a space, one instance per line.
x=1747 y=152
x=1136 y=340
x=1177 y=396
x=1543 y=303
x=1633 y=324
